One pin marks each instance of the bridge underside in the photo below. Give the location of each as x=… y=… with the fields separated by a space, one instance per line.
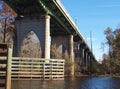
x=55 y=23
x=34 y=8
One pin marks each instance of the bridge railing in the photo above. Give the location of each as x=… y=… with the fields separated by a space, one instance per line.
x=71 y=20
x=37 y=68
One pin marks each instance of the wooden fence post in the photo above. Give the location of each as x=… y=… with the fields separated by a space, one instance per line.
x=9 y=63
x=43 y=71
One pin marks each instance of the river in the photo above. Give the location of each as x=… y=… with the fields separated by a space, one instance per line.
x=75 y=83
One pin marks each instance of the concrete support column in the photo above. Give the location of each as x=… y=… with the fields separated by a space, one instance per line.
x=86 y=60
x=91 y=60
x=91 y=63
x=71 y=50
x=40 y=26
x=83 y=56
x=79 y=54
x=47 y=37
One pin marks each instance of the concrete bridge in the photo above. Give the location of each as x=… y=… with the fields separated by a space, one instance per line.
x=49 y=20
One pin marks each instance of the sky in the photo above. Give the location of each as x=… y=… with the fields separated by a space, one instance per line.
x=94 y=16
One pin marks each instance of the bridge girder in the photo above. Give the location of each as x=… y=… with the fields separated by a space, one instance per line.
x=51 y=7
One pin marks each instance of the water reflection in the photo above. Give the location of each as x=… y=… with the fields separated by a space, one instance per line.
x=99 y=83
x=77 y=83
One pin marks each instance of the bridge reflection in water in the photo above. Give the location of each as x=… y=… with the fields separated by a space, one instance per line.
x=77 y=83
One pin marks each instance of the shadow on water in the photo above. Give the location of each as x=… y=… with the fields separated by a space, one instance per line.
x=77 y=83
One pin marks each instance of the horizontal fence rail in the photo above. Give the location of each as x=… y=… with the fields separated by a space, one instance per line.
x=3 y=72
x=37 y=68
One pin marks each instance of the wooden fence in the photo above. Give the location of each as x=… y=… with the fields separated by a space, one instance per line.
x=37 y=68
x=27 y=68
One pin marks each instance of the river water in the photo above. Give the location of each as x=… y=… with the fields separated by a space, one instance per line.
x=75 y=83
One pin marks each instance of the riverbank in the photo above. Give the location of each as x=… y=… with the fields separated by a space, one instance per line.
x=78 y=74
x=98 y=75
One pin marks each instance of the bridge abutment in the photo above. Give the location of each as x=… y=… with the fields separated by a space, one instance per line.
x=65 y=46
x=62 y=45
x=40 y=26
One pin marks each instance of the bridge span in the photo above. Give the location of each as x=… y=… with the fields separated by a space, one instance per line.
x=52 y=24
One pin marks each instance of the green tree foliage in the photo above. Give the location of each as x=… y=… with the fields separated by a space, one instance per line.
x=110 y=37
x=111 y=62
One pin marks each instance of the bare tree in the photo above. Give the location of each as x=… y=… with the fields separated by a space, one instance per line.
x=7 y=18
x=31 y=47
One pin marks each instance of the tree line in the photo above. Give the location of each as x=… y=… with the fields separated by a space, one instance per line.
x=111 y=60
